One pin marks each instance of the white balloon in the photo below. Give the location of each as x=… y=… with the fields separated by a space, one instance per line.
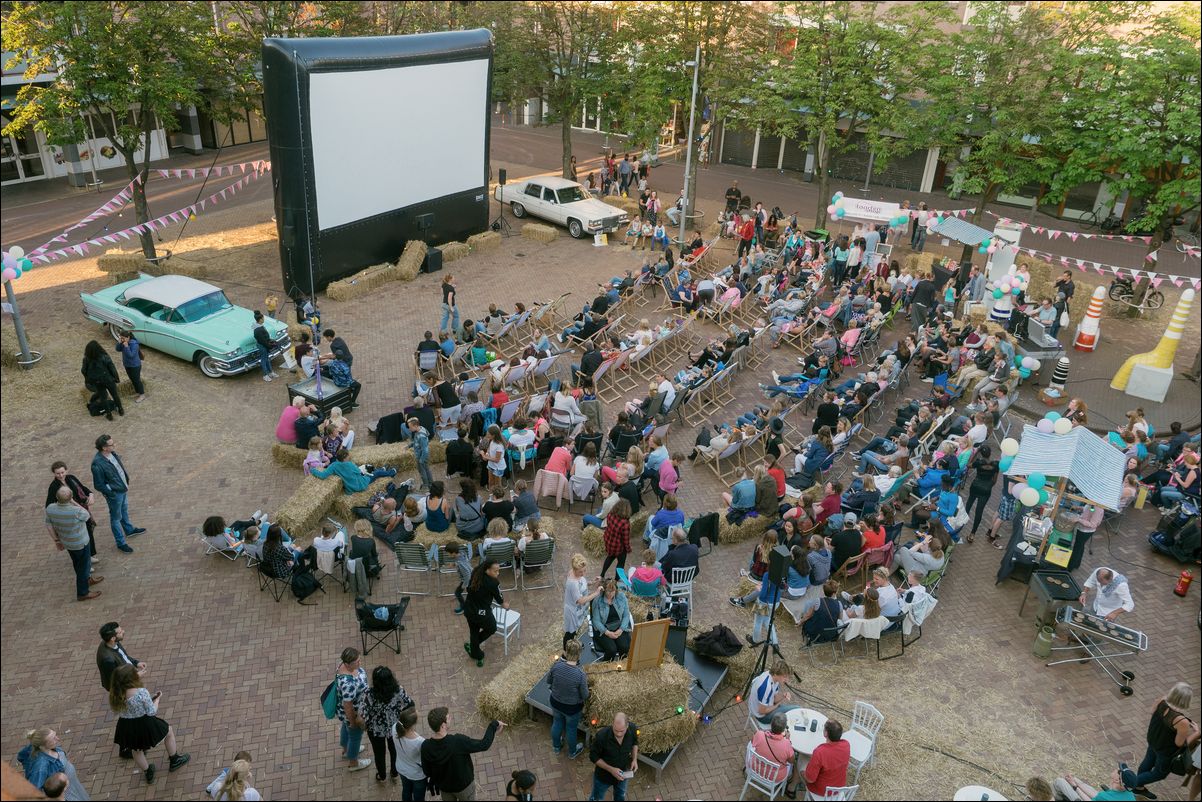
x=16 y=252
x=1062 y=426
x=1029 y=497
x=840 y=203
x=1009 y=446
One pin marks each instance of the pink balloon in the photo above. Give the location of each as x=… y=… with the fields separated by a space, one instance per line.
x=992 y=249
x=9 y=274
x=932 y=222
x=831 y=209
x=1045 y=426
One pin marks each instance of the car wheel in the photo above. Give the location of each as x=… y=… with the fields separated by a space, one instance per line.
x=208 y=366
x=518 y=210
x=117 y=331
x=575 y=229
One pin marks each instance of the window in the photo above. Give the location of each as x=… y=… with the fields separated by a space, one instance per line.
x=534 y=190
x=549 y=195
x=148 y=308
x=571 y=194
x=200 y=308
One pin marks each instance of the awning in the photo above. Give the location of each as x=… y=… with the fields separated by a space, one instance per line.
x=962 y=231
x=1088 y=461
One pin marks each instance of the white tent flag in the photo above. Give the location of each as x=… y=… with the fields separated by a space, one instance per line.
x=1088 y=461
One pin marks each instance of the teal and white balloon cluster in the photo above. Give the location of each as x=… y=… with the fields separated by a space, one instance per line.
x=15 y=263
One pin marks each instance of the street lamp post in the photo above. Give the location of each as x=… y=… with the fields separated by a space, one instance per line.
x=688 y=160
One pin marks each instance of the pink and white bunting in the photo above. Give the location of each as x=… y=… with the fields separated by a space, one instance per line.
x=1156 y=278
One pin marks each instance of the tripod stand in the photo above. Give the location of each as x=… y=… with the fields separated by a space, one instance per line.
x=761 y=662
x=500 y=224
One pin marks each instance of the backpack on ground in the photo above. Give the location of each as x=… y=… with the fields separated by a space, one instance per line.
x=304 y=585
x=718 y=642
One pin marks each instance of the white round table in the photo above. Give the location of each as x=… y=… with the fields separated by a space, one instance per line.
x=806 y=741
x=975 y=793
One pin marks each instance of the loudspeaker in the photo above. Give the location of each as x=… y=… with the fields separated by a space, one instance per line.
x=675 y=646
x=433 y=262
x=501 y=176
x=424 y=221
x=778 y=565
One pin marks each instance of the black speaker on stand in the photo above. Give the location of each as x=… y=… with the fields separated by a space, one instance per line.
x=501 y=225
x=778 y=571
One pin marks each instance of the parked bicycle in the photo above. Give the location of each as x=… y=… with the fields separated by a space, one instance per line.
x=1123 y=291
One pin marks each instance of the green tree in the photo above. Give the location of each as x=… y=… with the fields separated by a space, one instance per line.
x=994 y=94
x=843 y=69
x=1132 y=122
x=129 y=65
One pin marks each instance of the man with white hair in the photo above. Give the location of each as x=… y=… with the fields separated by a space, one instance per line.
x=1113 y=596
x=681 y=553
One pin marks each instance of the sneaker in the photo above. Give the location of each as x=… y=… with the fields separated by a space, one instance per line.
x=458 y=611
x=257 y=515
x=801 y=360
x=360 y=764
x=555 y=750
x=127 y=549
x=274 y=375
x=480 y=663
x=92 y=595
x=177 y=761
x=139 y=399
x=150 y=774
x=95 y=559
x=137 y=530
x=736 y=601
x=775 y=377
x=575 y=753
x=267 y=379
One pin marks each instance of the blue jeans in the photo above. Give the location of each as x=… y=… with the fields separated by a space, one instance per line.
x=81 y=561
x=1170 y=496
x=593 y=520
x=119 y=517
x=1153 y=768
x=873 y=459
x=920 y=238
x=264 y=359
x=760 y=624
x=451 y=314
x=561 y=723
x=412 y=790
x=600 y=789
x=423 y=470
x=1162 y=451
x=349 y=739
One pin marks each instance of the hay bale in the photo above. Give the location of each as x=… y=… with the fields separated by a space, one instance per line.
x=178 y=266
x=122 y=262
x=8 y=354
x=454 y=251
x=746 y=530
x=305 y=508
x=484 y=241
x=288 y=456
x=540 y=233
x=438 y=453
x=391 y=455
x=410 y=263
x=592 y=540
x=714 y=229
x=638 y=524
x=426 y=538
x=504 y=697
x=362 y=283
x=654 y=693
x=295 y=329
x=343 y=506
x=124 y=388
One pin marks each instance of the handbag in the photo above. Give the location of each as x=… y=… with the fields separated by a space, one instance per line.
x=329 y=700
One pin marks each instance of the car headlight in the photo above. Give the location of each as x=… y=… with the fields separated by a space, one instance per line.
x=229 y=355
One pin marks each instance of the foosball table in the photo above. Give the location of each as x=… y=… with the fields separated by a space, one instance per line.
x=1093 y=634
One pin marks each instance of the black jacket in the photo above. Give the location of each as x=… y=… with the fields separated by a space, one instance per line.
x=339 y=349
x=262 y=337
x=448 y=761
x=109 y=660
x=590 y=362
x=99 y=371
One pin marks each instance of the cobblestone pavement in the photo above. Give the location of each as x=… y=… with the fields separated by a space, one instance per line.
x=239 y=671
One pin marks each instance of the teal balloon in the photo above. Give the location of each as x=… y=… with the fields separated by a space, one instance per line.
x=1053 y=416
x=982 y=249
x=1024 y=372
x=1006 y=462
x=1037 y=480
x=17 y=271
x=1043 y=496
x=25 y=264
x=997 y=293
x=1017 y=290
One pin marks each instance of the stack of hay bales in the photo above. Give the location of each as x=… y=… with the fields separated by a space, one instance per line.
x=650 y=695
x=454 y=251
x=177 y=265
x=504 y=697
x=540 y=233
x=713 y=230
x=362 y=282
x=305 y=508
x=124 y=388
x=393 y=455
x=484 y=241
x=747 y=529
x=592 y=540
x=122 y=262
x=344 y=505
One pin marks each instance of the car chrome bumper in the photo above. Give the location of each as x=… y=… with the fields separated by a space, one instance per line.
x=248 y=362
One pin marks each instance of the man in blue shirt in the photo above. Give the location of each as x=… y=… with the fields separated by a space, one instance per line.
x=741 y=498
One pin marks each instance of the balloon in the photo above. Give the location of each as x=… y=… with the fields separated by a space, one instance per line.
x=25 y=264
x=830 y=209
x=839 y=213
x=1024 y=372
x=1009 y=446
x=1018 y=361
x=1037 y=480
x=9 y=262
x=1045 y=425
x=1053 y=416
x=1062 y=426
x=1043 y=496
x=18 y=272
x=838 y=195
x=987 y=242
x=1017 y=290
x=997 y=294
x=16 y=251
x=932 y=222
x=1018 y=488
x=1005 y=462
x=841 y=202
x=1004 y=286
x=991 y=249
x=1030 y=363
x=1029 y=497
x=9 y=274
x=982 y=249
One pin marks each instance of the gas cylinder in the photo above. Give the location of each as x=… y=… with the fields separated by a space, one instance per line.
x=1183 y=582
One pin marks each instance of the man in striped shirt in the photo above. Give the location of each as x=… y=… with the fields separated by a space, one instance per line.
x=67 y=524
x=569 y=691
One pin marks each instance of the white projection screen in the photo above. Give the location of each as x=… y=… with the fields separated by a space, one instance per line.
x=423 y=137
x=375 y=141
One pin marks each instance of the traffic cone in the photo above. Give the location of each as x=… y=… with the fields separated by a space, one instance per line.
x=1162 y=355
x=1087 y=331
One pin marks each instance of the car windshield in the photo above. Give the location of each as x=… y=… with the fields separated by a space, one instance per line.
x=570 y=194
x=200 y=308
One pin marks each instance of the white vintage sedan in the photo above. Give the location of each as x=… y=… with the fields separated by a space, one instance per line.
x=564 y=202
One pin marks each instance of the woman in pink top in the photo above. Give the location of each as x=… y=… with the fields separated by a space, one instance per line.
x=285 y=429
x=669 y=476
x=560 y=460
x=774 y=744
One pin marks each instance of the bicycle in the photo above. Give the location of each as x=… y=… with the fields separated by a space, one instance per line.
x=1108 y=224
x=1122 y=290
x=1183 y=240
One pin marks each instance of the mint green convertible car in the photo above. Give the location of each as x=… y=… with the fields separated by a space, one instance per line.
x=185 y=318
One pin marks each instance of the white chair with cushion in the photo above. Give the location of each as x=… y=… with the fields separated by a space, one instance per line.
x=866 y=723
x=759 y=771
